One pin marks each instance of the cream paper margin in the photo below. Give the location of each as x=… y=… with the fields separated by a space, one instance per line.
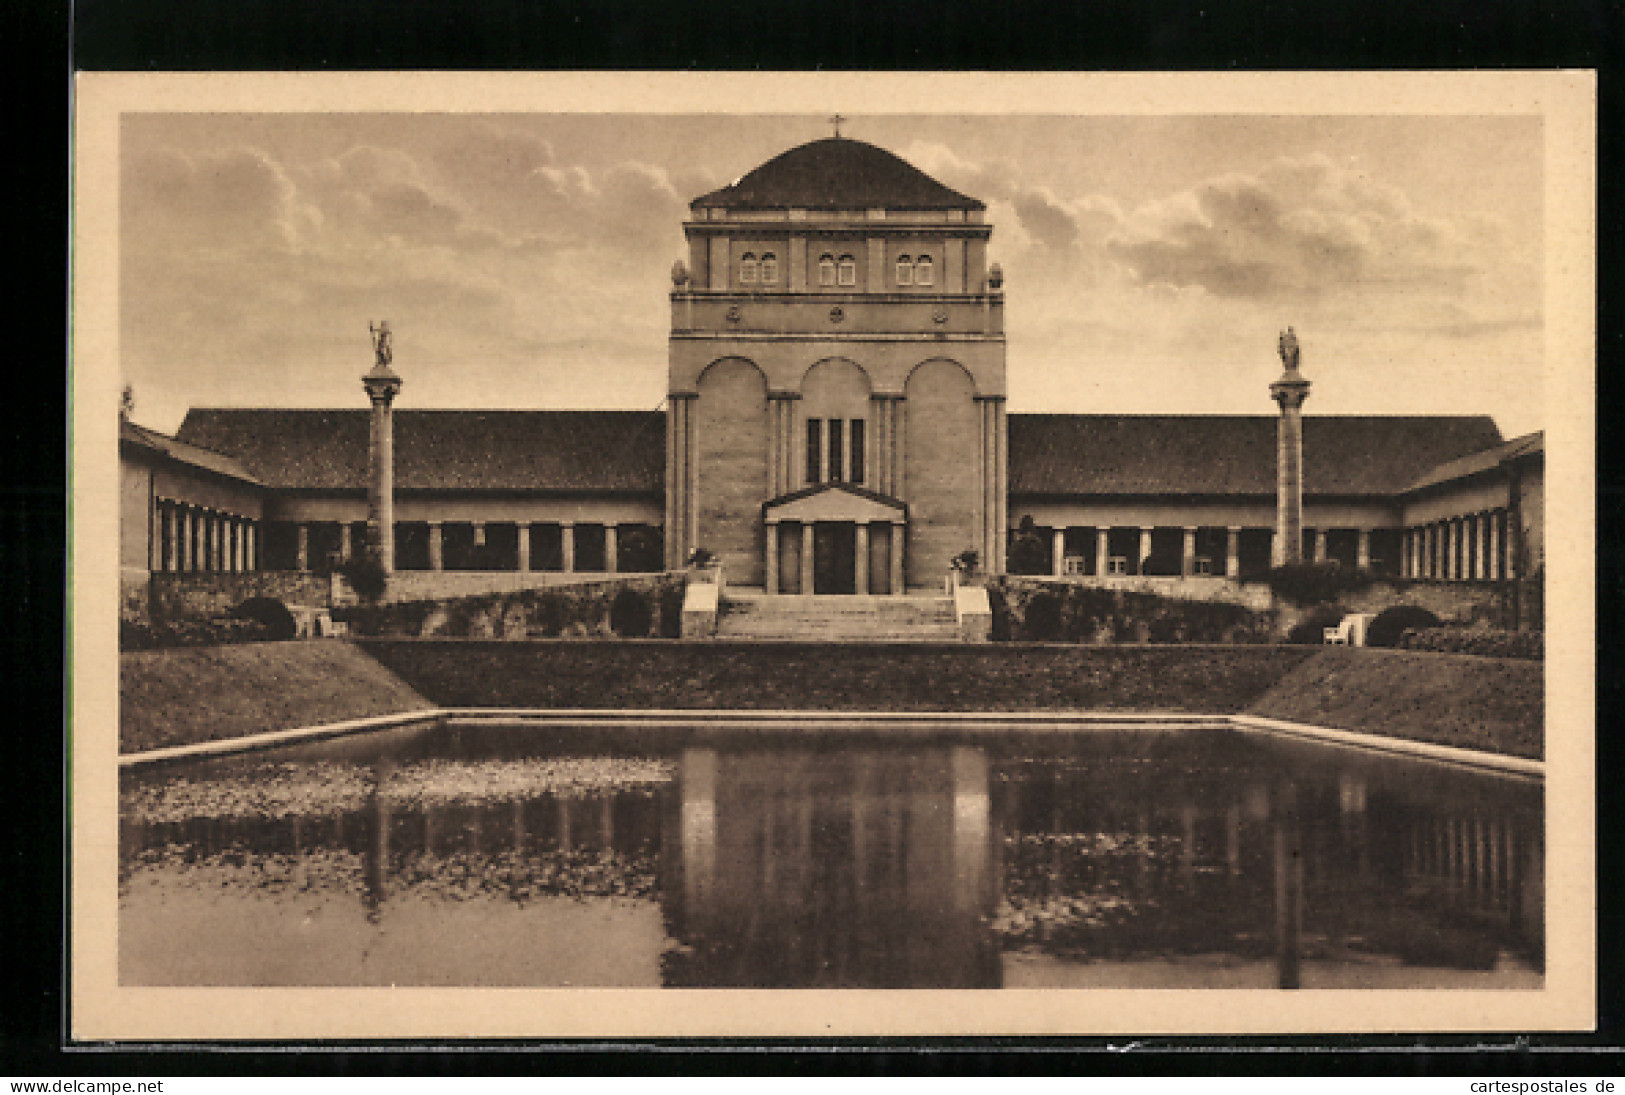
x=101 y=1009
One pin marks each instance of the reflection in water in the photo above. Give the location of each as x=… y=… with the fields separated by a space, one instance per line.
x=1126 y=860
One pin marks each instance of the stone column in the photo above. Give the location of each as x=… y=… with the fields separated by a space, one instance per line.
x=1187 y=552
x=252 y=552
x=611 y=563
x=1232 y=552
x=1451 y=547
x=172 y=541
x=860 y=549
x=1494 y=573
x=1362 y=549
x=806 y=558
x=1426 y=533
x=200 y=540
x=770 y=580
x=1103 y=548
x=1289 y=392
x=523 y=550
x=1320 y=545
x=302 y=547
x=346 y=541
x=1481 y=536
x=1145 y=549
x=899 y=533
x=1058 y=552
x=382 y=385
x=567 y=533
x=437 y=546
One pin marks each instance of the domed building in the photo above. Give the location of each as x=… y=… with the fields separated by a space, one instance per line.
x=836 y=424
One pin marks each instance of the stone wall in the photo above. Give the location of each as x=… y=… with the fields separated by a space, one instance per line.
x=202 y=596
x=579 y=610
x=433 y=585
x=1058 y=610
x=1452 y=602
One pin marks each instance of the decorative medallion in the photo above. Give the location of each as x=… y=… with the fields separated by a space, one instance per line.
x=940 y=315
x=733 y=313
x=836 y=315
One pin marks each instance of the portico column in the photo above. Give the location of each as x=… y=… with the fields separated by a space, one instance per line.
x=1427 y=551
x=611 y=563
x=1058 y=552
x=1494 y=573
x=1103 y=548
x=899 y=532
x=567 y=534
x=1480 y=567
x=437 y=555
x=1320 y=545
x=1362 y=549
x=1187 y=552
x=771 y=578
x=1145 y=549
x=524 y=547
x=1232 y=552
x=346 y=540
x=302 y=547
x=860 y=548
x=806 y=558
x=173 y=541
x=1450 y=549
x=251 y=557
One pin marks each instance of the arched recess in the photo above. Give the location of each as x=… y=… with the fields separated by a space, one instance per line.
x=943 y=468
x=730 y=445
x=835 y=390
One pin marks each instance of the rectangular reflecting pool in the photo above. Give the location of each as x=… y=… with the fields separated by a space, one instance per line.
x=481 y=855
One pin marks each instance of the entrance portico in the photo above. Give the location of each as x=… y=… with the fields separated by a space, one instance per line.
x=834 y=538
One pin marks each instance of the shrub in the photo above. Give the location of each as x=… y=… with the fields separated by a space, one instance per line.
x=1309 y=584
x=1043 y=622
x=1394 y=621
x=190 y=632
x=671 y=612
x=701 y=557
x=366 y=575
x=1311 y=630
x=629 y=615
x=271 y=614
x=999 y=605
x=1485 y=642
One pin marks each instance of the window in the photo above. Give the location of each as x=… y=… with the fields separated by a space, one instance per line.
x=747 y=269
x=905 y=270
x=836 y=450
x=770 y=269
x=826 y=269
x=1117 y=564
x=857 y=450
x=1204 y=565
x=923 y=274
x=848 y=270
x=815 y=455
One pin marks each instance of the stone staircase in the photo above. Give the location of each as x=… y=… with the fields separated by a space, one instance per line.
x=754 y=616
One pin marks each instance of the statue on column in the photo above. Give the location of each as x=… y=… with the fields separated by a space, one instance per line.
x=380 y=342
x=1289 y=350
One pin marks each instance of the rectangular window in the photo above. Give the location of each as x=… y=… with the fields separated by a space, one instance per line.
x=1117 y=564
x=835 y=451
x=922 y=271
x=815 y=457
x=857 y=450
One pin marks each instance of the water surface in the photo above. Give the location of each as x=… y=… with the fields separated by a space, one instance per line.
x=449 y=855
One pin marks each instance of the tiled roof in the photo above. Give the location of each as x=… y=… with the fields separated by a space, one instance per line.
x=836 y=173
x=444 y=450
x=180 y=451
x=1527 y=445
x=1231 y=454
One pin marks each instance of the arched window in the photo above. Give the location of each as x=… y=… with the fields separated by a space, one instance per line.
x=923 y=273
x=905 y=270
x=747 y=269
x=848 y=270
x=826 y=269
x=770 y=268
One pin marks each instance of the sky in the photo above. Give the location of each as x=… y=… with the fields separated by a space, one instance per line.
x=523 y=260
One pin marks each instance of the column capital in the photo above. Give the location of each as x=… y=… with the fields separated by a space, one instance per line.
x=886 y=397
x=989 y=398
x=785 y=396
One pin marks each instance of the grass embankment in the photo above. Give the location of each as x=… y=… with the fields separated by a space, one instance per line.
x=175 y=697
x=1496 y=704
x=1208 y=679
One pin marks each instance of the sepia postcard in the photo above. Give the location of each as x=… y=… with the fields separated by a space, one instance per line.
x=671 y=554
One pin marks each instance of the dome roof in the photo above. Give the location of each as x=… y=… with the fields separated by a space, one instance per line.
x=836 y=173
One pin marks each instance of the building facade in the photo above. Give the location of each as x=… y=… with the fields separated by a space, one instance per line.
x=835 y=423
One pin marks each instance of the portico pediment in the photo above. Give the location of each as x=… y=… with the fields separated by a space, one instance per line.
x=834 y=502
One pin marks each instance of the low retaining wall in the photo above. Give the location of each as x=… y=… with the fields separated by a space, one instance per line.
x=837 y=677
x=575 y=610
x=176 y=596
x=1045 y=609
x=438 y=585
